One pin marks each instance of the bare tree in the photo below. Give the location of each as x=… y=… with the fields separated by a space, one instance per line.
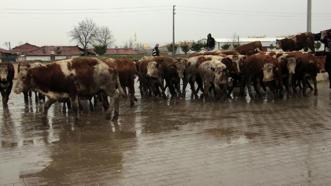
x=103 y=37
x=84 y=33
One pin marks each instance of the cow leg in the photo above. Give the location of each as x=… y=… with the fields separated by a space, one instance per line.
x=315 y=86
x=36 y=97
x=131 y=92
x=4 y=99
x=163 y=89
x=185 y=82
x=304 y=87
x=116 y=106
x=206 y=90
x=171 y=88
x=48 y=104
x=193 y=91
x=105 y=102
x=257 y=88
x=90 y=103
x=249 y=88
x=75 y=105
x=26 y=97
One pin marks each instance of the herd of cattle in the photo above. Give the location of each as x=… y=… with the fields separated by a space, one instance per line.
x=211 y=75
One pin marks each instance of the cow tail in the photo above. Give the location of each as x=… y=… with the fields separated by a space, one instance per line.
x=119 y=86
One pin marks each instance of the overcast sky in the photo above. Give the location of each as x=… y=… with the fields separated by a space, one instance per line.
x=48 y=22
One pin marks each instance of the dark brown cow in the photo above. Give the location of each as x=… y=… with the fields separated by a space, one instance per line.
x=72 y=78
x=127 y=72
x=307 y=67
x=250 y=48
x=297 y=42
x=6 y=81
x=321 y=36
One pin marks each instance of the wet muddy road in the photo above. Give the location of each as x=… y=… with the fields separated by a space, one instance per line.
x=183 y=142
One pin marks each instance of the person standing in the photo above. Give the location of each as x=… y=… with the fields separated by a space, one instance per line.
x=156 y=51
x=210 y=42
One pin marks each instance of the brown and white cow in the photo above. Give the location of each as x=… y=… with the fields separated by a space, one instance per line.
x=213 y=74
x=6 y=81
x=297 y=42
x=73 y=78
x=127 y=73
x=24 y=66
x=162 y=68
x=260 y=69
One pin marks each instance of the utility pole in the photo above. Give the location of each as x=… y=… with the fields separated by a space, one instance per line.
x=173 y=29
x=308 y=15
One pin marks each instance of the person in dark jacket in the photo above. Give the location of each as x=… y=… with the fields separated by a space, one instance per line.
x=327 y=42
x=156 y=51
x=210 y=42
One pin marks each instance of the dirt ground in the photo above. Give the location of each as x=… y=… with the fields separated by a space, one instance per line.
x=177 y=142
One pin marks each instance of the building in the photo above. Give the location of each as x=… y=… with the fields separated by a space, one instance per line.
x=29 y=52
x=7 y=56
x=52 y=53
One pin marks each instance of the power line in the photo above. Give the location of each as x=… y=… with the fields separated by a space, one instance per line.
x=255 y=12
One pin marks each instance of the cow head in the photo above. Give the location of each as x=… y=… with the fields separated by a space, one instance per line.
x=268 y=72
x=291 y=65
x=4 y=71
x=239 y=61
x=278 y=43
x=153 y=70
x=221 y=74
x=23 y=81
x=181 y=66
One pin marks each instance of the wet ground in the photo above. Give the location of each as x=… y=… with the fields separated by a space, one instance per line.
x=183 y=142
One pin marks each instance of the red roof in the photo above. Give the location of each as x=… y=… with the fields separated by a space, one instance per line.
x=56 y=50
x=23 y=49
x=121 y=51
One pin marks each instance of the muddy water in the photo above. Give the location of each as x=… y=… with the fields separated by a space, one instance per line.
x=178 y=142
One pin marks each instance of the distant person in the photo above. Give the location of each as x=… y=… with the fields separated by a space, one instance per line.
x=156 y=51
x=327 y=42
x=210 y=42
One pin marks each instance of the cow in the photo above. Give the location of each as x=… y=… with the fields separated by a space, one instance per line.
x=164 y=69
x=306 y=67
x=250 y=48
x=127 y=72
x=321 y=36
x=297 y=42
x=192 y=75
x=147 y=85
x=72 y=78
x=260 y=69
x=24 y=66
x=233 y=64
x=7 y=73
x=213 y=74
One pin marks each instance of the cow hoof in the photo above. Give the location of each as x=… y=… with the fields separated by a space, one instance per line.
x=115 y=118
